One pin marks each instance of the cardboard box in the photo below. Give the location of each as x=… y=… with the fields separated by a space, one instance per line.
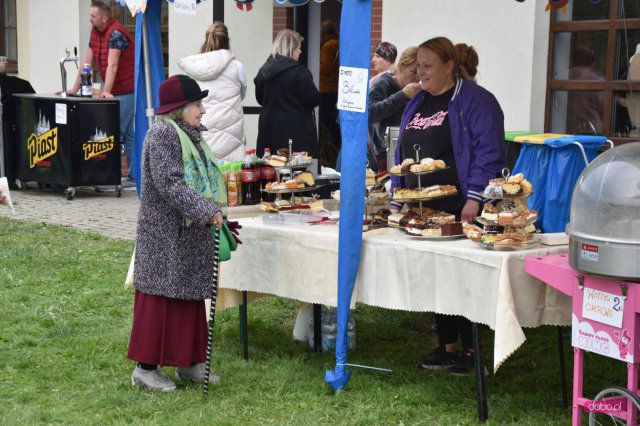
x=329 y=184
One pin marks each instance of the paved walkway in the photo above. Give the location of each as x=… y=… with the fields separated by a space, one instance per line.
x=100 y=212
x=93 y=211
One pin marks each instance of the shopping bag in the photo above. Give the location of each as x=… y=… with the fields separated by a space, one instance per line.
x=227 y=243
x=128 y=282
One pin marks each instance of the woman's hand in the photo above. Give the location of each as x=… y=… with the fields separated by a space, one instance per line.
x=2 y=197
x=470 y=211
x=411 y=89
x=216 y=220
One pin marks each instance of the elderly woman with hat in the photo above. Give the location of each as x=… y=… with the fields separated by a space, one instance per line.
x=183 y=194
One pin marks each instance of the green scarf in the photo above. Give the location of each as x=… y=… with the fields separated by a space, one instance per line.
x=204 y=177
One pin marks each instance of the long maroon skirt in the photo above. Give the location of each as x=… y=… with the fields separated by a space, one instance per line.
x=168 y=331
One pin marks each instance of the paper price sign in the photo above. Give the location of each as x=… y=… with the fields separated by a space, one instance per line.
x=187 y=7
x=352 y=89
x=603 y=307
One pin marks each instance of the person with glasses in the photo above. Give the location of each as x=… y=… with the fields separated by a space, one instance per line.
x=387 y=98
x=454 y=120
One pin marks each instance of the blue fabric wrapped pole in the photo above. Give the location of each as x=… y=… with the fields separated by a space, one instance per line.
x=355 y=29
x=156 y=66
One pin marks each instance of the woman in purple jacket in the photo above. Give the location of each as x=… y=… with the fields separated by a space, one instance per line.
x=455 y=120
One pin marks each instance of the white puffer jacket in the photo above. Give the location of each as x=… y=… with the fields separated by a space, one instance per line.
x=220 y=73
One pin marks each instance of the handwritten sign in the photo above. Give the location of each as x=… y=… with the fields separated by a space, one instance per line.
x=603 y=307
x=186 y=7
x=352 y=89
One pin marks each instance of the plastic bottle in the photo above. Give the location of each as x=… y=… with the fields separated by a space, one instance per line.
x=250 y=181
x=86 y=89
x=267 y=175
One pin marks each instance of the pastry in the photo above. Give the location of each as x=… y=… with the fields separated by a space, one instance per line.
x=284 y=152
x=370 y=177
x=396 y=170
x=406 y=165
x=451 y=228
x=507 y=218
x=394 y=219
x=277 y=161
x=490 y=212
x=306 y=178
x=511 y=188
x=527 y=188
x=516 y=178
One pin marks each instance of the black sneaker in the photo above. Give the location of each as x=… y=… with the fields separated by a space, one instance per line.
x=439 y=359
x=464 y=365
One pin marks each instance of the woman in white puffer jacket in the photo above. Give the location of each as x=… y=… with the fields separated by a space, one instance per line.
x=216 y=69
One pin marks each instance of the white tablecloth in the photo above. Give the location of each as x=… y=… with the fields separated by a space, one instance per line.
x=401 y=272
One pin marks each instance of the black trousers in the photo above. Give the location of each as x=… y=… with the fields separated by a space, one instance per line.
x=329 y=115
x=452 y=326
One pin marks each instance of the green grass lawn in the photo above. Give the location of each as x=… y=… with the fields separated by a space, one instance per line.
x=65 y=321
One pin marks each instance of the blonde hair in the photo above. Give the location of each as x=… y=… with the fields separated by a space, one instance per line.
x=408 y=58
x=216 y=38
x=285 y=43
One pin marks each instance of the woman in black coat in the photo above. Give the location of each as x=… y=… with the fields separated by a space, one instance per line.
x=285 y=89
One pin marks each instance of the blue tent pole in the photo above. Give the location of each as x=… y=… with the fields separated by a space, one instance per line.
x=149 y=67
x=355 y=41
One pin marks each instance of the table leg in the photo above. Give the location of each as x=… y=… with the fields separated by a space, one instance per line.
x=317 y=327
x=481 y=384
x=578 y=364
x=563 y=370
x=244 y=329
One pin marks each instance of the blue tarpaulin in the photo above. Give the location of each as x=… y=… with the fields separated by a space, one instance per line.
x=553 y=169
x=156 y=68
x=355 y=25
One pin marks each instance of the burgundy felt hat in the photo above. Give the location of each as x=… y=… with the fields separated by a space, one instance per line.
x=178 y=90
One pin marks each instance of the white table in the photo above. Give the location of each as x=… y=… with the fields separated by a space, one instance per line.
x=397 y=271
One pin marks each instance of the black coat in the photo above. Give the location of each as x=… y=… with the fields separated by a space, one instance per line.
x=286 y=91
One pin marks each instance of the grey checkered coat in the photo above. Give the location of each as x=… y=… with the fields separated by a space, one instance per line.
x=172 y=260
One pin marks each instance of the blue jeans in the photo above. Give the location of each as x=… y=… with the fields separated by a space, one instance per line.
x=127 y=111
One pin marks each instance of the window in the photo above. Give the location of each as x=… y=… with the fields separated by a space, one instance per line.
x=122 y=14
x=9 y=33
x=591 y=86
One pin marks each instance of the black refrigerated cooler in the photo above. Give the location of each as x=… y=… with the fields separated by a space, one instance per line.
x=67 y=141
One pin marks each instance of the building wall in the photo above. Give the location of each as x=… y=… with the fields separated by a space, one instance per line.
x=510 y=38
x=40 y=45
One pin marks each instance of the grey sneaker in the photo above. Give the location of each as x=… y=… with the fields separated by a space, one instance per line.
x=195 y=374
x=128 y=185
x=152 y=380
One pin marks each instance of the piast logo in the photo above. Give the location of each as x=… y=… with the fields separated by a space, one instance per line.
x=43 y=143
x=99 y=144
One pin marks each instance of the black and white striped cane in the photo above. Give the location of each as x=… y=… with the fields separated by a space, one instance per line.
x=212 y=310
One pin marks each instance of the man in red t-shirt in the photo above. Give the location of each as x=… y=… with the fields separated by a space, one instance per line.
x=113 y=49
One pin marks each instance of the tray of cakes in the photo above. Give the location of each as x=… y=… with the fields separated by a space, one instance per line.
x=377 y=195
x=302 y=182
x=503 y=238
x=304 y=205
x=515 y=186
x=422 y=167
x=295 y=161
x=404 y=195
x=508 y=212
x=432 y=224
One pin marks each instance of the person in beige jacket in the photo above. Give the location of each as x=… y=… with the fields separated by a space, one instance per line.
x=216 y=70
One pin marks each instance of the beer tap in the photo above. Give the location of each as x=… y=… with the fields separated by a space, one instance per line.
x=63 y=70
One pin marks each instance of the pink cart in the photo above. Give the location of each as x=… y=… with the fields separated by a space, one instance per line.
x=605 y=321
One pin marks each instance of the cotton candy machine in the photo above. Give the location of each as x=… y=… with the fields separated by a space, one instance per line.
x=604 y=228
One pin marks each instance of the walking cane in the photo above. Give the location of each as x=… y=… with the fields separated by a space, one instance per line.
x=212 y=310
